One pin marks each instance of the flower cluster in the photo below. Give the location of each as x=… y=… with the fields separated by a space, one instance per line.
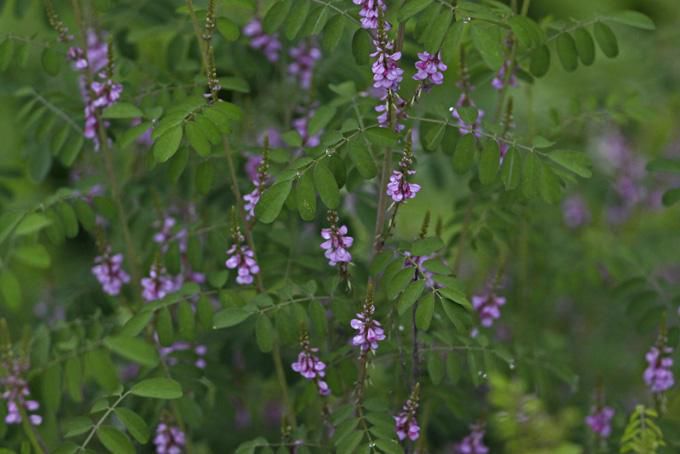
x=268 y=44
x=337 y=241
x=241 y=258
x=369 y=330
x=259 y=182
x=310 y=366
x=659 y=374
x=417 y=262
x=473 y=443
x=199 y=350
x=397 y=105
x=166 y=234
x=102 y=91
x=575 y=211
x=386 y=71
x=169 y=439
x=499 y=82
x=17 y=394
x=108 y=269
x=600 y=421
x=430 y=68
x=305 y=56
x=406 y=425
x=488 y=307
x=398 y=188
x=301 y=125
x=369 y=12
x=158 y=284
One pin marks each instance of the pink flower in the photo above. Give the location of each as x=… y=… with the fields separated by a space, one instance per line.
x=369 y=12
x=268 y=44
x=304 y=56
x=311 y=367
x=386 y=71
x=400 y=189
x=108 y=270
x=369 y=331
x=336 y=245
x=169 y=439
x=659 y=372
x=242 y=258
x=157 y=285
x=473 y=443
x=406 y=425
x=16 y=393
x=488 y=307
x=430 y=68
x=600 y=421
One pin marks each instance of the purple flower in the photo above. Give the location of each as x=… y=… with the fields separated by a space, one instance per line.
x=369 y=12
x=252 y=164
x=659 y=374
x=488 y=307
x=200 y=352
x=268 y=44
x=406 y=425
x=169 y=439
x=336 y=244
x=108 y=269
x=386 y=71
x=430 y=68
x=473 y=443
x=242 y=258
x=304 y=56
x=575 y=212
x=417 y=262
x=398 y=110
x=499 y=82
x=158 y=284
x=166 y=235
x=301 y=125
x=16 y=393
x=311 y=367
x=253 y=197
x=600 y=421
x=399 y=189
x=369 y=331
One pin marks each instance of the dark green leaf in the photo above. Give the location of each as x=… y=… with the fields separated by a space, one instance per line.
x=264 y=333
x=10 y=288
x=410 y=295
x=540 y=61
x=185 y=321
x=511 y=170
x=606 y=39
x=332 y=33
x=326 y=186
x=51 y=61
x=296 y=18
x=398 y=282
x=464 y=156
x=361 y=46
x=227 y=29
x=437 y=30
x=276 y=15
x=271 y=202
x=566 y=51
x=531 y=171
x=305 y=197
x=633 y=19
x=362 y=159
x=122 y=110
x=134 y=424
x=577 y=162
x=489 y=160
x=166 y=145
x=426 y=246
x=585 y=46
x=671 y=197
x=435 y=367
x=197 y=139
x=322 y=116
x=424 y=311
x=230 y=316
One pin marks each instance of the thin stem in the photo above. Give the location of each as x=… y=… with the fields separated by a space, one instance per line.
x=281 y=376
x=101 y=421
x=525 y=7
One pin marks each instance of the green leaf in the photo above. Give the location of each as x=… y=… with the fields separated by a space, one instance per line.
x=185 y=321
x=574 y=161
x=489 y=42
x=453 y=369
x=633 y=19
x=122 y=110
x=275 y=16
x=362 y=159
x=664 y=165
x=426 y=246
x=361 y=46
x=540 y=61
x=424 y=311
x=85 y=215
x=115 y=441
x=32 y=223
x=71 y=150
x=10 y=289
x=566 y=51
x=464 y=156
x=51 y=61
x=296 y=18
x=197 y=139
x=382 y=137
x=437 y=30
x=606 y=39
x=6 y=51
x=530 y=175
x=136 y=324
x=332 y=33
x=399 y=282
x=410 y=295
x=134 y=424
x=326 y=186
x=412 y=7
x=99 y=366
x=550 y=188
x=167 y=145
x=68 y=219
x=305 y=197
x=511 y=170
x=157 y=388
x=435 y=367
x=230 y=316
x=228 y=29
x=264 y=333
x=321 y=118
x=73 y=375
x=236 y=84
x=34 y=255
x=389 y=446
x=489 y=160
x=76 y=426
x=272 y=200
x=134 y=349
x=671 y=197
x=585 y=46
x=164 y=327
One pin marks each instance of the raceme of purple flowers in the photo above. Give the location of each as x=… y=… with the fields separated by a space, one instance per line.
x=108 y=269
x=430 y=68
x=305 y=56
x=398 y=109
x=399 y=189
x=499 y=82
x=600 y=421
x=369 y=12
x=199 y=350
x=311 y=367
x=17 y=394
x=336 y=244
x=242 y=258
x=659 y=374
x=386 y=71
x=369 y=330
x=268 y=44
x=158 y=284
x=473 y=443
x=169 y=439
x=488 y=307
x=251 y=199
x=406 y=425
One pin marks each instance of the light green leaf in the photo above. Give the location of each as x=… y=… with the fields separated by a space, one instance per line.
x=399 y=282
x=134 y=349
x=326 y=186
x=585 y=46
x=606 y=39
x=296 y=18
x=230 y=316
x=412 y=7
x=34 y=255
x=530 y=175
x=576 y=162
x=305 y=197
x=115 y=441
x=488 y=162
x=410 y=295
x=32 y=223
x=276 y=15
x=197 y=139
x=424 y=311
x=157 y=388
x=122 y=110
x=566 y=51
x=227 y=29
x=511 y=170
x=272 y=200
x=426 y=246
x=464 y=156
x=437 y=30
x=10 y=289
x=51 y=61
x=321 y=118
x=134 y=424
x=264 y=333
x=633 y=19
x=167 y=145
x=362 y=159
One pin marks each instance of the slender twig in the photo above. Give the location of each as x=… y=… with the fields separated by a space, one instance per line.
x=60 y=113
x=101 y=421
x=338 y=10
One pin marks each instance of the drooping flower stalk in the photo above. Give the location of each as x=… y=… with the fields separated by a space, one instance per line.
x=251 y=199
x=268 y=44
x=241 y=258
x=369 y=331
x=304 y=57
x=15 y=390
x=406 y=425
x=505 y=77
x=310 y=366
x=108 y=269
x=398 y=188
x=473 y=443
